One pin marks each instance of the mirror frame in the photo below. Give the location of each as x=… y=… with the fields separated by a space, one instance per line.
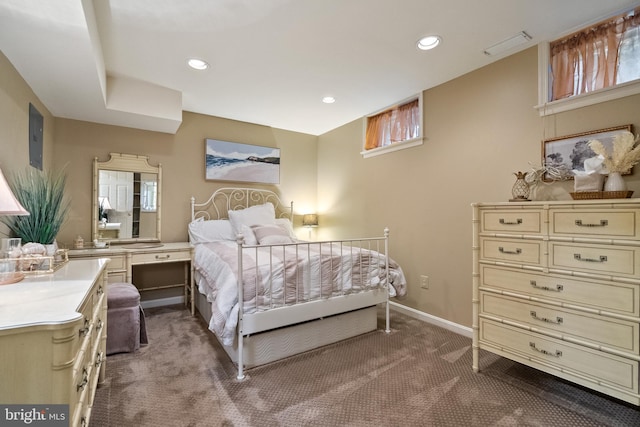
x=125 y=163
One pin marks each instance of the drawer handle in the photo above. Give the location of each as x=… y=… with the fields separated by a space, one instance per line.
x=578 y=257
x=516 y=222
x=502 y=250
x=100 y=324
x=85 y=330
x=163 y=256
x=100 y=290
x=603 y=223
x=85 y=380
x=558 y=288
x=99 y=359
x=83 y=422
x=557 y=353
x=558 y=320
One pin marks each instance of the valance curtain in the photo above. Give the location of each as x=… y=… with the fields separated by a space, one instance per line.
x=394 y=125
x=589 y=60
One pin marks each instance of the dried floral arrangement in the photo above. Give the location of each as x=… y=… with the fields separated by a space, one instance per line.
x=547 y=173
x=623 y=155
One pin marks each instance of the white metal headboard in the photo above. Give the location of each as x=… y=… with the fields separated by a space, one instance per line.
x=227 y=199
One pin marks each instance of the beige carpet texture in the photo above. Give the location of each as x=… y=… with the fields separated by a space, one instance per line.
x=418 y=375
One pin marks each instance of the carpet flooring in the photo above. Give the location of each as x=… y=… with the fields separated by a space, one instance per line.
x=418 y=375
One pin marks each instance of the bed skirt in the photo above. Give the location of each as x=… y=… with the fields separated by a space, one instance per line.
x=269 y=346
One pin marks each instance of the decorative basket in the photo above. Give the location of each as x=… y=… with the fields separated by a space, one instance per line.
x=590 y=195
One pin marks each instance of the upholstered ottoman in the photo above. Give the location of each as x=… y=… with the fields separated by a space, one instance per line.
x=125 y=319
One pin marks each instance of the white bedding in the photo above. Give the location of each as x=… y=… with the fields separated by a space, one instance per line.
x=301 y=272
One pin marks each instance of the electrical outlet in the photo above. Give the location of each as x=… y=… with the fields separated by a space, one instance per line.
x=424 y=282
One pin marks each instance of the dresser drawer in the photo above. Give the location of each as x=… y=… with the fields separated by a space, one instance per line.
x=598 y=330
x=117 y=277
x=594 y=223
x=86 y=329
x=622 y=298
x=117 y=263
x=581 y=362
x=614 y=260
x=82 y=385
x=511 y=250
x=512 y=221
x=159 y=257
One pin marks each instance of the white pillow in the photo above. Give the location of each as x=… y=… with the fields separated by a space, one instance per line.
x=201 y=231
x=271 y=235
x=285 y=223
x=254 y=215
x=249 y=236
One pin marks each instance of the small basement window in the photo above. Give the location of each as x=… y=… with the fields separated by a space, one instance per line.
x=395 y=128
x=595 y=64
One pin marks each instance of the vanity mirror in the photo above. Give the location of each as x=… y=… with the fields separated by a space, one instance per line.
x=126 y=199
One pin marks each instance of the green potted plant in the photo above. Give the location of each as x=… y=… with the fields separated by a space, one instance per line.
x=42 y=194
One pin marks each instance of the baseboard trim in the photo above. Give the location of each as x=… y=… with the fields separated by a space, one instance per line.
x=428 y=318
x=162 y=302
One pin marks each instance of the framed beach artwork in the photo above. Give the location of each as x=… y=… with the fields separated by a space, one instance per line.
x=569 y=152
x=232 y=161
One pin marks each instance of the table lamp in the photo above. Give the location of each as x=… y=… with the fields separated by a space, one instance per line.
x=9 y=206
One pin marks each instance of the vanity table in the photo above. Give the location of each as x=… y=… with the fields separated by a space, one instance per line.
x=124 y=258
x=53 y=338
x=127 y=194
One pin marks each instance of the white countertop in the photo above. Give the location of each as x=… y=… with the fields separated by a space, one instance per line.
x=133 y=247
x=48 y=298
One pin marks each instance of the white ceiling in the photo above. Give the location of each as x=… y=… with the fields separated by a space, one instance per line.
x=123 y=62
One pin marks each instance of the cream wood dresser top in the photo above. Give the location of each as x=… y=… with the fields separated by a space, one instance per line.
x=53 y=338
x=556 y=286
x=48 y=298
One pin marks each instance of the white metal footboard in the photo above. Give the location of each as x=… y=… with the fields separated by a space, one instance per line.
x=358 y=277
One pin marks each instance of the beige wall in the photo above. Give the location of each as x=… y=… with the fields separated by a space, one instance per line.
x=480 y=128
x=182 y=159
x=15 y=96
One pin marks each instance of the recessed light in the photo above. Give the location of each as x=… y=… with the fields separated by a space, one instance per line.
x=429 y=42
x=328 y=100
x=197 y=64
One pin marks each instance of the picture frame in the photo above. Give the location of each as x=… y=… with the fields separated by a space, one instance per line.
x=567 y=153
x=234 y=161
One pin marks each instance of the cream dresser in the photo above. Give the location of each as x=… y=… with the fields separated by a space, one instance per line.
x=556 y=286
x=125 y=257
x=53 y=338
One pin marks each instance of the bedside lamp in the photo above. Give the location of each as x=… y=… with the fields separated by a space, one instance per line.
x=103 y=206
x=310 y=221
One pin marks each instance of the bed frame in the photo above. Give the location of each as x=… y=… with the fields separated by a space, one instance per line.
x=272 y=334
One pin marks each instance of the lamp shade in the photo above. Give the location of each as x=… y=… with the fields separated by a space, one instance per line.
x=9 y=205
x=104 y=203
x=310 y=220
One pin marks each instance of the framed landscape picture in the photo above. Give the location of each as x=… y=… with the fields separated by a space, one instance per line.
x=569 y=152
x=232 y=161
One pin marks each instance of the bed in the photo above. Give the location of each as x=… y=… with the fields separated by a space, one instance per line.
x=297 y=295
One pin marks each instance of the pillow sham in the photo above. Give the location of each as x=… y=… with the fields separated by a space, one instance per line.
x=254 y=215
x=271 y=234
x=287 y=226
x=202 y=231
